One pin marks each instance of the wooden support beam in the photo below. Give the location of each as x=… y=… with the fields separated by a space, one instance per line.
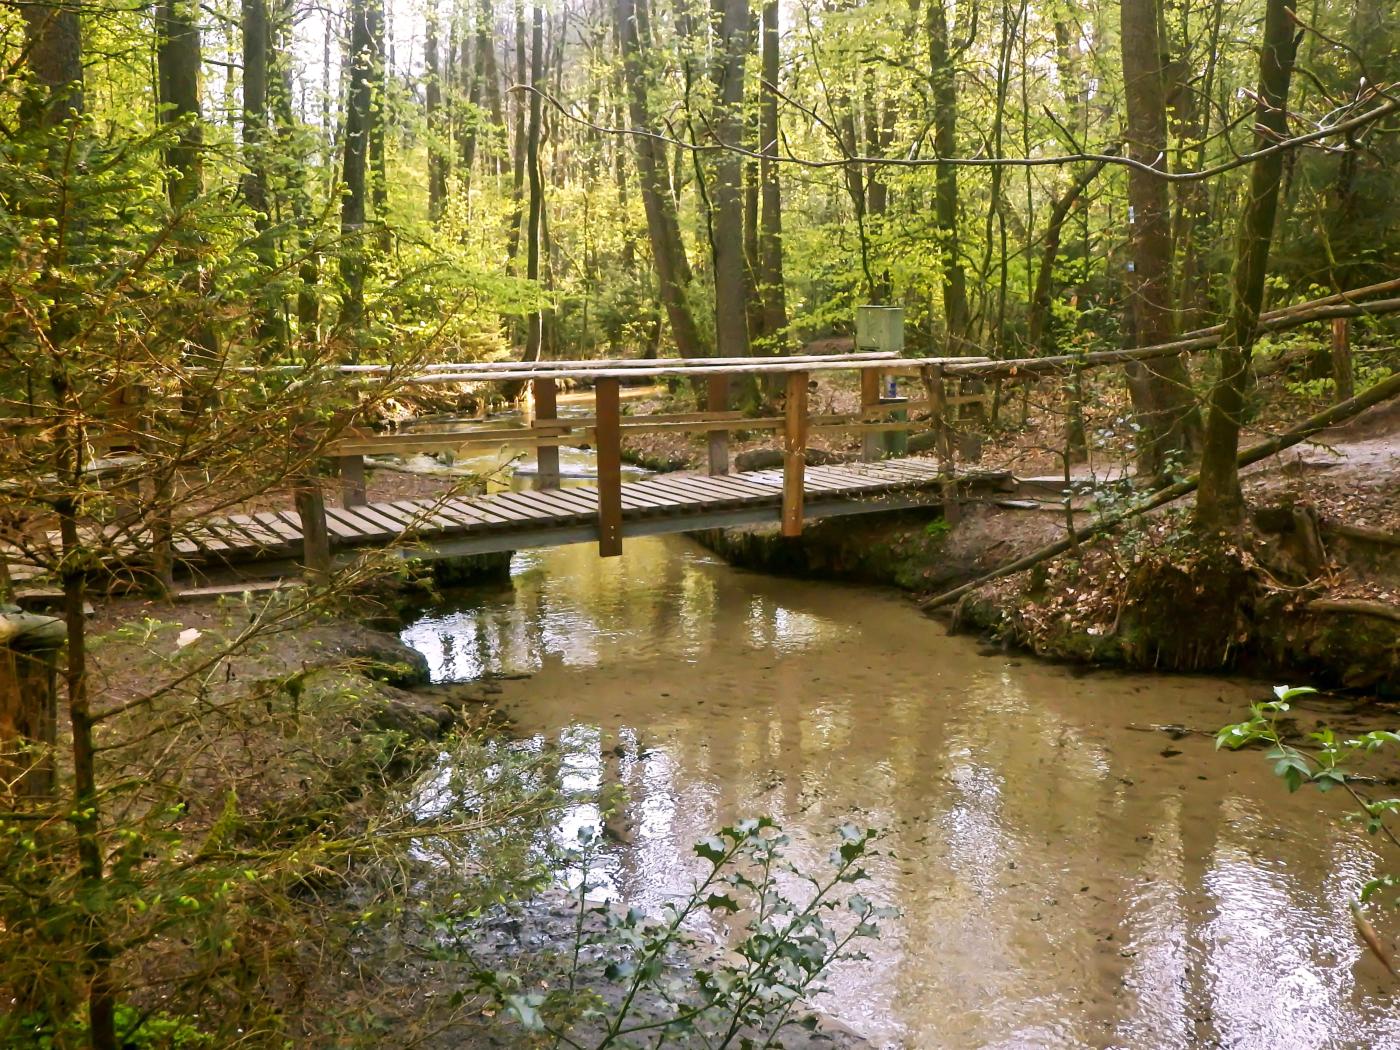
x=546 y=411
x=1343 y=378
x=717 y=400
x=870 y=447
x=352 y=480
x=29 y=646
x=315 y=534
x=794 y=452
x=609 y=431
x=936 y=388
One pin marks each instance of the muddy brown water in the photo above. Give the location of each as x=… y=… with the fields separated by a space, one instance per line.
x=1069 y=875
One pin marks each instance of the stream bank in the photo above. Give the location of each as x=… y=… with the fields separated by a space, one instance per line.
x=1154 y=596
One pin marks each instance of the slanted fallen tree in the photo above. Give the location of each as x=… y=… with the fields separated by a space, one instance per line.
x=1160 y=497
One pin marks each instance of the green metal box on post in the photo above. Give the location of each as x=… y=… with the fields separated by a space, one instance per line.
x=882 y=328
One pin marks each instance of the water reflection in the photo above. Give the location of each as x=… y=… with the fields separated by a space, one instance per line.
x=1069 y=877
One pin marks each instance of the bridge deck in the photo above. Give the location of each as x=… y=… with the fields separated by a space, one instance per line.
x=503 y=521
x=429 y=528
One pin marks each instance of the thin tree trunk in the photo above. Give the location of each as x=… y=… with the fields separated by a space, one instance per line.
x=54 y=53
x=517 y=184
x=956 y=316
x=663 y=228
x=432 y=108
x=770 y=238
x=1161 y=391
x=535 y=336
x=731 y=325
x=353 y=204
x=1220 y=503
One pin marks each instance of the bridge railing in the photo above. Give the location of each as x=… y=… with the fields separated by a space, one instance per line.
x=607 y=427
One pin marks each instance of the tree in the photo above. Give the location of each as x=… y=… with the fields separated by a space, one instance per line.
x=663 y=227
x=354 y=191
x=731 y=319
x=437 y=130
x=770 y=236
x=1219 y=503
x=1161 y=390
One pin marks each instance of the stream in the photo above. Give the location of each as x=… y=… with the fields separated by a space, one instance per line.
x=1070 y=873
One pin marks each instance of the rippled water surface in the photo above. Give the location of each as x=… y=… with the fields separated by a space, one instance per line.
x=1069 y=875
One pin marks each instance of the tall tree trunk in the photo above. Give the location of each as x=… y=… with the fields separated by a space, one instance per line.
x=731 y=323
x=256 y=39
x=177 y=62
x=535 y=335
x=517 y=185
x=663 y=227
x=296 y=158
x=353 y=201
x=54 y=54
x=1161 y=390
x=432 y=107
x=770 y=238
x=1219 y=502
x=378 y=127
x=1040 y=335
x=956 y=315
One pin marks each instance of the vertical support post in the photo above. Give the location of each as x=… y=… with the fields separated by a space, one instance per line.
x=794 y=452
x=717 y=400
x=315 y=537
x=159 y=511
x=29 y=646
x=1343 y=379
x=870 y=446
x=352 y=480
x=608 y=409
x=936 y=387
x=546 y=456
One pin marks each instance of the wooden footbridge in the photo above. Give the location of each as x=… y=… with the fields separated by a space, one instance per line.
x=317 y=535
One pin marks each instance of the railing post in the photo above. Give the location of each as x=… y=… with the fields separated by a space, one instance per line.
x=315 y=537
x=159 y=512
x=717 y=400
x=1343 y=379
x=352 y=480
x=794 y=452
x=936 y=387
x=608 y=409
x=29 y=646
x=871 y=448
x=546 y=456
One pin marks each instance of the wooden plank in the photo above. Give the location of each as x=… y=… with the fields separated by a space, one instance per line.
x=693 y=490
x=428 y=513
x=355 y=526
x=504 y=509
x=606 y=394
x=583 y=501
x=376 y=512
x=565 y=508
x=274 y=523
x=546 y=456
x=260 y=533
x=794 y=452
x=710 y=366
x=530 y=504
x=475 y=508
x=717 y=441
